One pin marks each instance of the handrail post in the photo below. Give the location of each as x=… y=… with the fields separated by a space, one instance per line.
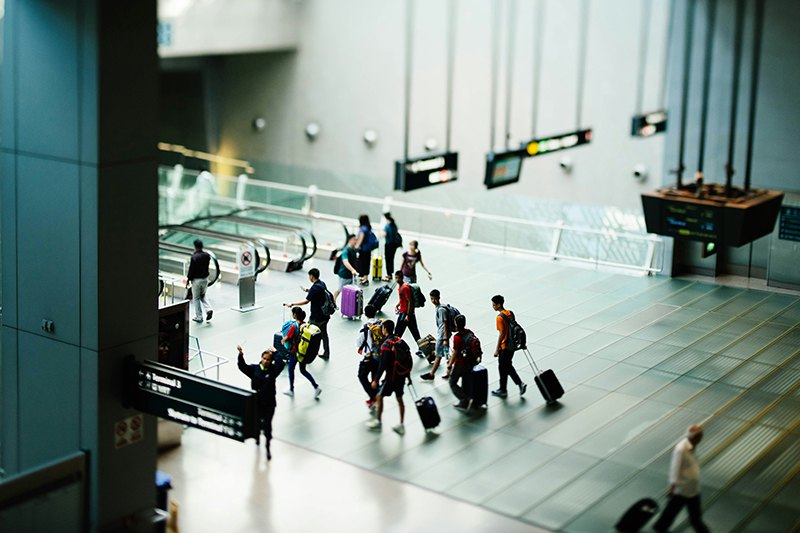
x=651 y=251
x=556 y=240
x=311 y=196
x=467 y=226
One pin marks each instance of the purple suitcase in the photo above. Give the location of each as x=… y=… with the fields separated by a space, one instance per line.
x=352 y=301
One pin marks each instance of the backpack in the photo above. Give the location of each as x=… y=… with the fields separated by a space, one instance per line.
x=393 y=236
x=337 y=264
x=329 y=305
x=375 y=331
x=416 y=295
x=450 y=314
x=370 y=241
x=308 y=344
x=402 y=358
x=471 y=347
x=517 y=339
x=292 y=343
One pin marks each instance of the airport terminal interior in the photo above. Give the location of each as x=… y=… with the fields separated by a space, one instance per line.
x=622 y=172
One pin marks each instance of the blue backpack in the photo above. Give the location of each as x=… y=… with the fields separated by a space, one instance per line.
x=285 y=331
x=370 y=241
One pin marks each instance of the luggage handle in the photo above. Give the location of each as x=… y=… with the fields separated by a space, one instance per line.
x=531 y=361
x=414 y=395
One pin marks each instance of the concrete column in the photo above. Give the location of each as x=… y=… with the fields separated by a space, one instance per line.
x=79 y=218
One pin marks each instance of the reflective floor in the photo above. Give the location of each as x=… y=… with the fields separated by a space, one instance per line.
x=641 y=359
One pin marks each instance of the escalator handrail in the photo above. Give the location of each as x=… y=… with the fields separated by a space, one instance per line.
x=318 y=216
x=223 y=236
x=265 y=223
x=175 y=247
x=234 y=218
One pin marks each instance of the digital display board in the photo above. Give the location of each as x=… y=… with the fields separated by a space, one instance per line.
x=191 y=400
x=503 y=168
x=649 y=124
x=691 y=221
x=555 y=143
x=412 y=174
x=789 y=226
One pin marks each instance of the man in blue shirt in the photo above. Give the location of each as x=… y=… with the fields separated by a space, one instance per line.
x=315 y=295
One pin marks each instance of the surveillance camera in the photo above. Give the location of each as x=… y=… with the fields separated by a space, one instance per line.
x=640 y=172
x=431 y=144
x=566 y=164
x=312 y=130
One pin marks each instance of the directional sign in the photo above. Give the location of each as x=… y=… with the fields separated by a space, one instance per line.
x=412 y=174
x=191 y=400
x=554 y=143
x=789 y=229
x=247 y=261
x=649 y=124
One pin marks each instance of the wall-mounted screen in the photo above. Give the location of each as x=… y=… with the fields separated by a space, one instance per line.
x=503 y=168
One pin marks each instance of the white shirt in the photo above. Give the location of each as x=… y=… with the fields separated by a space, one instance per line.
x=684 y=471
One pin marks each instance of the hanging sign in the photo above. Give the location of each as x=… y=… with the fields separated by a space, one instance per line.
x=649 y=124
x=555 y=143
x=412 y=174
x=503 y=168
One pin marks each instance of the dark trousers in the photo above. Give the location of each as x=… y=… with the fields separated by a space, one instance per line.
x=674 y=506
x=303 y=371
x=406 y=320
x=507 y=369
x=460 y=373
x=265 y=414
x=388 y=255
x=367 y=371
x=326 y=342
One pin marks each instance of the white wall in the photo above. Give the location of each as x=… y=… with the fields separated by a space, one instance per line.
x=348 y=75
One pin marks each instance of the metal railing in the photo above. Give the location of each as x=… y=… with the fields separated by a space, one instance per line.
x=196 y=354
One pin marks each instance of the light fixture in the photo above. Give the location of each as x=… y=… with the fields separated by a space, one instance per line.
x=370 y=137
x=312 y=131
x=259 y=123
x=431 y=144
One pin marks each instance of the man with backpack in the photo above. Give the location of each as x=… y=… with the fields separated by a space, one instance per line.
x=396 y=363
x=445 y=315
x=466 y=354
x=369 y=342
x=262 y=380
x=405 y=310
x=505 y=348
x=344 y=267
x=291 y=338
x=323 y=307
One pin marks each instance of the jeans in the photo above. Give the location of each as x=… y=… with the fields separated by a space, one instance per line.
x=199 y=301
x=303 y=371
x=507 y=368
x=388 y=255
x=461 y=373
x=406 y=320
x=674 y=506
x=367 y=371
x=326 y=342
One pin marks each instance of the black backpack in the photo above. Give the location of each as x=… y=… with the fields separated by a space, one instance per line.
x=450 y=314
x=337 y=264
x=517 y=339
x=416 y=295
x=329 y=305
x=472 y=350
x=403 y=362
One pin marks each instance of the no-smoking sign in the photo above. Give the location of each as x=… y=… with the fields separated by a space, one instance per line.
x=247 y=261
x=128 y=431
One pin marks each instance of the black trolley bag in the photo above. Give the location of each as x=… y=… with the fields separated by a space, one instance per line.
x=547 y=381
x=637 y=516
x=380 y=297
x=478 y=388
x=426 y=407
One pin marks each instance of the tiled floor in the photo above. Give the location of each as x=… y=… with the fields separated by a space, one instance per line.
x=641 y=358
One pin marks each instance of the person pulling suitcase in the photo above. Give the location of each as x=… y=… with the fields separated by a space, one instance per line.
x=504 y=350
x=465 y=356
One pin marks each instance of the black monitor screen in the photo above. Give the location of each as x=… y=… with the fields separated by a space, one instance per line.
x=502 y=169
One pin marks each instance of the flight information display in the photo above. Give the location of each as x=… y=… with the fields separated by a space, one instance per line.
x=691 y=221
x=554 y=143
x=413 y=174
x=503 y=168
x=649 y=124
x=789 y=228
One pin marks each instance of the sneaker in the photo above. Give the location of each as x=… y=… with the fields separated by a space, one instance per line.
x=462 y=406
x=317 y=392
x=325 y=356
x=370 y=404
x=426 y=377
x=198 y=320
x=209 y=314
x=399 y=429
x=289 y=393
x=374 y=424
x=446 y=376
x=522 y=388
x=420 y=354
x=500 y=393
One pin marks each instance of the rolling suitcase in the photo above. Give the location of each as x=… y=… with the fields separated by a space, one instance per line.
x=380 y=297
x=426 y=407
x=478 y=386
x=547 y=381
x=352 y=301
x=637 y=516
x=280 y=349
x=377 y=267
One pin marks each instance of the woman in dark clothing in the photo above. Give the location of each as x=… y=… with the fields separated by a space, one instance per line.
x=366 y=242
x=393 y=241
x=262 y=380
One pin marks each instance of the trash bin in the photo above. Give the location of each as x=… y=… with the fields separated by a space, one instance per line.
x=163 y=484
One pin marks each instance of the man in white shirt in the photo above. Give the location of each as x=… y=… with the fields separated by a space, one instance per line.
x=684 y=483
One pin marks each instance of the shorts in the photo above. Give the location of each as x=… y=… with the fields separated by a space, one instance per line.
x=343 y=282
x=442 y=350
x=392 y=386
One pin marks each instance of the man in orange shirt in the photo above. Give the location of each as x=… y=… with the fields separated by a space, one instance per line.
x=504 y=352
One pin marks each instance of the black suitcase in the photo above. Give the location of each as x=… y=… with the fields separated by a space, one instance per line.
x=426 y=407
x=380 y=297
x=478 y=386
x=280 y=349
x=548 y=383
x=637 y=516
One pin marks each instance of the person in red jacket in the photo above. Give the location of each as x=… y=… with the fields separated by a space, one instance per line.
x=405 y=310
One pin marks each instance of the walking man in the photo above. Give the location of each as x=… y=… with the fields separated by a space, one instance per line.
x=396 y=364
x=443 y=334
x=262 y=380
x=504 y=351
x=347 y=270
x=405 y=310
x=461 y=363
x=198 y=277
x=316 y=296
x=684 y=483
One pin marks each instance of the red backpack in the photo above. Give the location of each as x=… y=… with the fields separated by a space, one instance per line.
x=471 y=349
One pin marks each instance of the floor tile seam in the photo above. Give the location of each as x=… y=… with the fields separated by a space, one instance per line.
x=644 y=325
x=747 y=309
x=489 y=465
